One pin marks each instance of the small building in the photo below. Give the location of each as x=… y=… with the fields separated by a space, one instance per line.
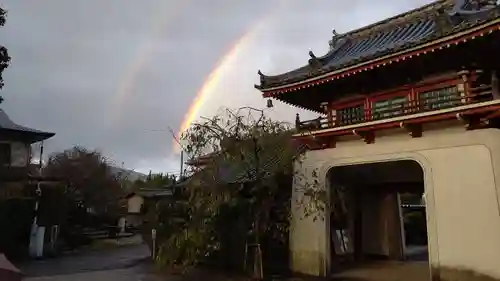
x=16 y=169
x=410 y=104
x=137 y=200
x=19 y=180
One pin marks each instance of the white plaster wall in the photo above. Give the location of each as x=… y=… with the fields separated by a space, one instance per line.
x=135 y=203
x=466 y=208
x=19 y=154
x=461 y=169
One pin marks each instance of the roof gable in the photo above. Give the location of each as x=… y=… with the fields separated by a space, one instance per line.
x=35 y=135
x=410 y=29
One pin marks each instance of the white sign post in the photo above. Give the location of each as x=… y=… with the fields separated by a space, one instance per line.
x=153 y=239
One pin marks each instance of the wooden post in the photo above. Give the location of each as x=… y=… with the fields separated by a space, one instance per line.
x=465 y=91
x=328 y=110
x=414 y=102
x=368 y=109
x=297 y=121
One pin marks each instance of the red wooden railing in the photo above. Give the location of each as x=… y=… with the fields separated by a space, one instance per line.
x=433 y=94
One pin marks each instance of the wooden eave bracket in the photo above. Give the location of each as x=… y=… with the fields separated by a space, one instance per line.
x=414 y=129
x=489 y=117
x=323 y=142
x=367 y=136
x=318 y=142
x=472 y=121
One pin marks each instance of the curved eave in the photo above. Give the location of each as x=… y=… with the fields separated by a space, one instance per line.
x=296 y=105
x=442 y=43
x=43 y=136
x=30 y=134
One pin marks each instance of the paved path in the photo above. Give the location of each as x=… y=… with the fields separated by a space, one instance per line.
x=130 y=274
x=122 y=263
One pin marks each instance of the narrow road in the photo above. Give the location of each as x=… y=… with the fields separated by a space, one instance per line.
x=129 y=274
x=120 y=264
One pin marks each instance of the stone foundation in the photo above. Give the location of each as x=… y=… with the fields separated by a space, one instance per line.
x=308 y=262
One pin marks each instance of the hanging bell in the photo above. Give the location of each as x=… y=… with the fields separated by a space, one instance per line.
x=269 y=103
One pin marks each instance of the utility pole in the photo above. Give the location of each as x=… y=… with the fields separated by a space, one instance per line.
x=33 y=251
x=121 y=175
x=182 y=165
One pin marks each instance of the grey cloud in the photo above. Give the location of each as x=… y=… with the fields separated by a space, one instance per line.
x=71 y=57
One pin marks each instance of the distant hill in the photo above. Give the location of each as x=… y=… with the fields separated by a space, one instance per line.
x=127 y=174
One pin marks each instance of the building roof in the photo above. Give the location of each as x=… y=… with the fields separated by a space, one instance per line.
x=202 y=160
x=408 y=30
x=151 y=192
x=6 y=124
x=127 y=174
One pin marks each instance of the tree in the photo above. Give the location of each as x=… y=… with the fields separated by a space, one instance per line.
x=250 y=168
x=91 y=182
x=158 y=180
x=4 y=55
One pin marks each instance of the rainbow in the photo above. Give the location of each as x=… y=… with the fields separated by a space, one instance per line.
x=144 y=52
x=217 y=73
x=212 y=80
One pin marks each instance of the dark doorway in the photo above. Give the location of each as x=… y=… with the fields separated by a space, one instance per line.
x=378 y=221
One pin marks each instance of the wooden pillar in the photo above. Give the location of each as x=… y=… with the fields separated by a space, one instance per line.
x=330 y=115
x=414 y=102
x=337 y=119
x=393 y=231
x=368 y=109
x=464 y=87
x=328 y=111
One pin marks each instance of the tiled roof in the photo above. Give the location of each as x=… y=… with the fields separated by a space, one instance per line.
x=422 y=25
x=151 y=192
x=35 y=135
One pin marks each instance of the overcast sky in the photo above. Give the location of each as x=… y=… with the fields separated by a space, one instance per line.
x=114 y=75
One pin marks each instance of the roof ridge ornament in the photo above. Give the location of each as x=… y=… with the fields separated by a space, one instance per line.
x=314 y=62
x=443 y=21
x=335 y=39
x=262 y=77
x=470 y=7
x=311 y=54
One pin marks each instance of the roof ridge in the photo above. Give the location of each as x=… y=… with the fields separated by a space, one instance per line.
x=338 y=40
x=385 y=23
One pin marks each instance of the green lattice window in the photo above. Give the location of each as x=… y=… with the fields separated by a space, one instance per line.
x=440 y=98
x=351 y=115
x=389 y=107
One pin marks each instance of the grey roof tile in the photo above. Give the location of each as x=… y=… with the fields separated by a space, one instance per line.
x=7 y=124
x=397 y=33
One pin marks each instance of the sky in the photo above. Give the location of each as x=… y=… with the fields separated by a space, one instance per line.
x=117 y=75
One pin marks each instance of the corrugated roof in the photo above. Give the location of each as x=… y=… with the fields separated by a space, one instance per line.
x=395 y=34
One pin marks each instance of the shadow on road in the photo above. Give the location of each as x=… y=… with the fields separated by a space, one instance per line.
x=89 y=260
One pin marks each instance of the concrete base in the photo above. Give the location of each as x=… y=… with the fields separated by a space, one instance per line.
x=308 y=262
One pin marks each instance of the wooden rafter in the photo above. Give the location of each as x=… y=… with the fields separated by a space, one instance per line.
x=472 y=121
x=414 y=129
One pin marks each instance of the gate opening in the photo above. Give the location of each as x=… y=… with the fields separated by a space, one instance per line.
x=378 y=221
